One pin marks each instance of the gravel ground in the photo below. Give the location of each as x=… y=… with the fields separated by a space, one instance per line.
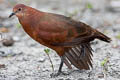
x=26 y=59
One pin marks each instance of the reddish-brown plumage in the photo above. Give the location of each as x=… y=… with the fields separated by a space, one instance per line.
x=69 y=38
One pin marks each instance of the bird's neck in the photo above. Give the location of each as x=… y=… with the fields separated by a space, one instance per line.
x=30 y=19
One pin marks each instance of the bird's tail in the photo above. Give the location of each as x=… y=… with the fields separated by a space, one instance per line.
x=79 y=56
x=102 y=37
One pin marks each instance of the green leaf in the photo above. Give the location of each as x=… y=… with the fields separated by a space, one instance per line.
x=104 y=62
x=47 y=50
x=89 y=6
x=118 y=36
x=18 y=25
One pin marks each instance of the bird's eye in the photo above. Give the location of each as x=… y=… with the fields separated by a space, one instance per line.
x=19 y=9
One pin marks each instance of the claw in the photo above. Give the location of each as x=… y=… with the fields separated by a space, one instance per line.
x=59 y=71
x=53 y=75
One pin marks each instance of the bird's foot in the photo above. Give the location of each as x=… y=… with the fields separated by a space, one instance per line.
x=82 y=55
x=57 y=74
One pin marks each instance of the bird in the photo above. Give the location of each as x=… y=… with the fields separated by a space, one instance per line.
x=68 y=37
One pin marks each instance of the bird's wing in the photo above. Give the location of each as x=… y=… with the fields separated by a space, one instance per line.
x=84 y=33
x=59 y=30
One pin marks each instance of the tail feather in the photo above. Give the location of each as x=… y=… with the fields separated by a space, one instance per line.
x=73 y=61
x=103 y=37
x=67 y=62
x=73 y=55
x=88 y=54
x=81 y=62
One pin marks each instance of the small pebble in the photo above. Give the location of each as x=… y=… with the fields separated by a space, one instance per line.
x=100 y=75
x=4 y=29
x=5 y=52
x=41 y=59
x=2 y=65
x=8 y=42
x=81 y=79
x=61 y=79
x=15 y=38
x=68 y=79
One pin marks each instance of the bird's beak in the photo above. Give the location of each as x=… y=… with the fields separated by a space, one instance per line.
x=12 y=14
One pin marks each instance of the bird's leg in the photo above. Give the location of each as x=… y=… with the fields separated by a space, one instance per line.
x=60 y=69
x=82 y=52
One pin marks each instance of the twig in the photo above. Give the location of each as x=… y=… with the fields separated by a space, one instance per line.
x=105 y=73
x=47 y=52
x=105 y=67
